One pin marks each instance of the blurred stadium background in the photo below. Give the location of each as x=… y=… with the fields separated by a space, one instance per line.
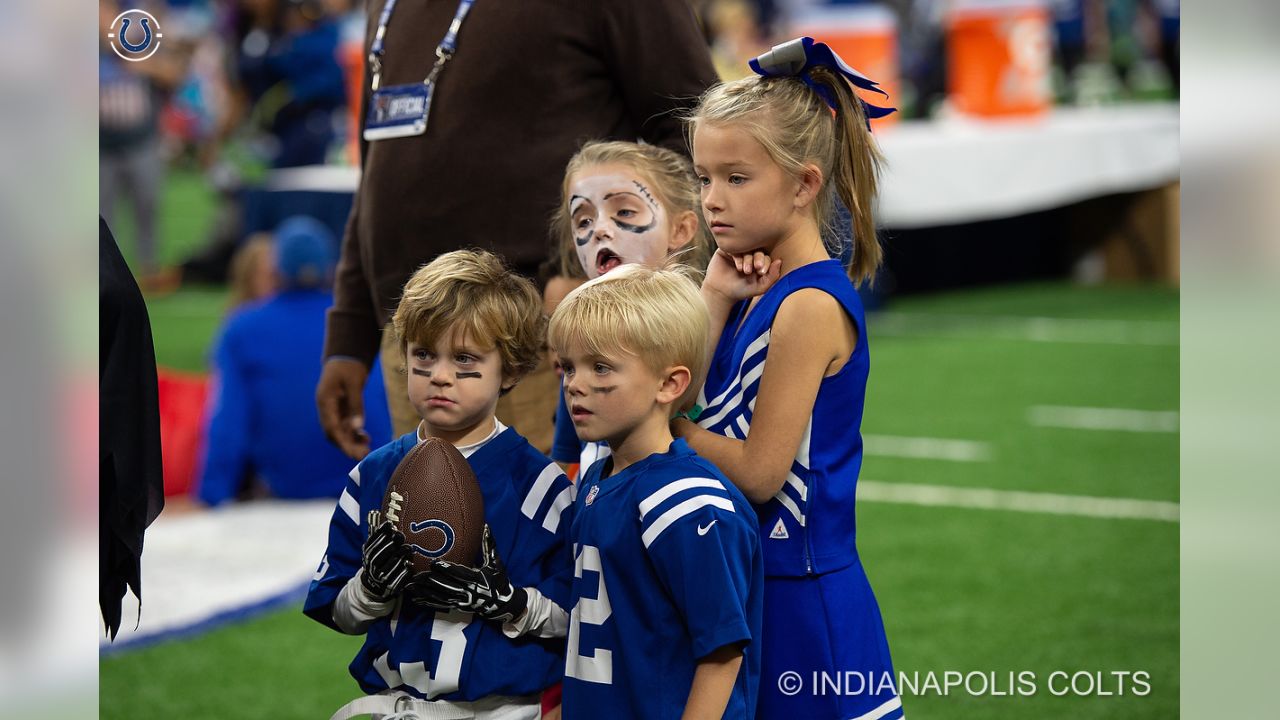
x=1019 y=501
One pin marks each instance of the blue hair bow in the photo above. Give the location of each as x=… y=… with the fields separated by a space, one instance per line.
x=795 y=58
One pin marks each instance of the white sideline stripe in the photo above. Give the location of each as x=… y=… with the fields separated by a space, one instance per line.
x=1030 y=329
x=926 y=448
x=887 y=707
x=991 y=499
x=539 y=491
x=1091 y=418
x=670 y=489
x=665 y=519
x=200 y=565
x=350 y=506
x=562 y=501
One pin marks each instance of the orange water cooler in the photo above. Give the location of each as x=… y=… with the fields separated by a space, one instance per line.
x=866 y=36
x=999 y=57
x=351 y=55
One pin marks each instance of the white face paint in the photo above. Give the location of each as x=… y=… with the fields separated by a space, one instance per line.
x=616 y=220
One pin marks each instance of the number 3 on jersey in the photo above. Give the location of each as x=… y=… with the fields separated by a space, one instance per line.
x=594 y=611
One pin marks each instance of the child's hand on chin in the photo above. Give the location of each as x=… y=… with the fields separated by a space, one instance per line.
x=738 y=277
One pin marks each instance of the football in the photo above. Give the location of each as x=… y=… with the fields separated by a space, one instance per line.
x=434 y=499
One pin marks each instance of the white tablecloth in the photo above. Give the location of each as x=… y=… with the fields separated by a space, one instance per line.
x=958 y=170
x=962 y=170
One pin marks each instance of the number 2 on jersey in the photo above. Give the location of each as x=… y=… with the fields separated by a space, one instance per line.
x=594 y=611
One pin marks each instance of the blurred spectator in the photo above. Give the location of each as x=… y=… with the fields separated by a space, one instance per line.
x=190 y=119
x=253 y=271
x=1068 y=26
x=287 y=81
x=1169 y=13
x=131 y=165
x=285 y=107
x=263 y=436
x=735 y=35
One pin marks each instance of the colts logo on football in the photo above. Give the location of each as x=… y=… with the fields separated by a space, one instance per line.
x=134 y=35
x=424 y=526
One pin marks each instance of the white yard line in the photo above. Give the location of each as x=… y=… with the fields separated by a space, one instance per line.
x=1017 y=501
x=1092 y=418
x=926 y=448
x=200 y=565
x=1028 y=329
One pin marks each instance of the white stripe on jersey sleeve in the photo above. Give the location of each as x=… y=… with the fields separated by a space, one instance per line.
x=539 y=491
x=670 y=489
x=350 y=506
x=562 y=501
x=665 y=519
x=743 y=425
x=355 y=475
x=790 y=505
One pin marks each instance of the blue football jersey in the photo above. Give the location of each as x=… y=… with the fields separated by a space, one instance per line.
x=453 y=655
x=808 y=526
x=667 y=569
x=821 y=614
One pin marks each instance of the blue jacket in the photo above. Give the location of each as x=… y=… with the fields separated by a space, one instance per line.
x=262 y=413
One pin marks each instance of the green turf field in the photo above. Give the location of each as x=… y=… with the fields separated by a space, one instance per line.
x=967 y=590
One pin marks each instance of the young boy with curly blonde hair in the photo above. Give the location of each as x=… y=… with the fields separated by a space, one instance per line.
x=470 y=330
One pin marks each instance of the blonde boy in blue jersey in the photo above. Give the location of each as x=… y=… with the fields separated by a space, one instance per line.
x=666 y=600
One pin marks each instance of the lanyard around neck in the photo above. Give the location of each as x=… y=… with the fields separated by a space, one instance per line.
x=445 y=50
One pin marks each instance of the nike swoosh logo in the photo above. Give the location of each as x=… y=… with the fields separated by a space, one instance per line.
x=703 y=530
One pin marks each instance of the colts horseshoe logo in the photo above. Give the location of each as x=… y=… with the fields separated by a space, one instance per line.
x=130 y=43
x=443 y=538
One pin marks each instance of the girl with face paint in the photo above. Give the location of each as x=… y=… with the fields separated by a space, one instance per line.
x=622 y=203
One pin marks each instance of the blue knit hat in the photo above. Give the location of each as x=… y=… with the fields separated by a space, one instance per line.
x=305 y=252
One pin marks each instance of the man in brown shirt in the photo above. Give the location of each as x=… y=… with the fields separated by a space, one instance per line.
x=529 y=83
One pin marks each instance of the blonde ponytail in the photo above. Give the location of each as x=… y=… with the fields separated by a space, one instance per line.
x=856 y=174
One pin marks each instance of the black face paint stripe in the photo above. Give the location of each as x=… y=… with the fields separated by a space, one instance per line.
x=604 y=390
x=584 y=240
x=420 y=371
x=637 y=229
x=645 y=191
x=462 y=375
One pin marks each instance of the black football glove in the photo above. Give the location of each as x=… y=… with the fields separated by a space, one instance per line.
x=386 y=562
x=485 y=591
